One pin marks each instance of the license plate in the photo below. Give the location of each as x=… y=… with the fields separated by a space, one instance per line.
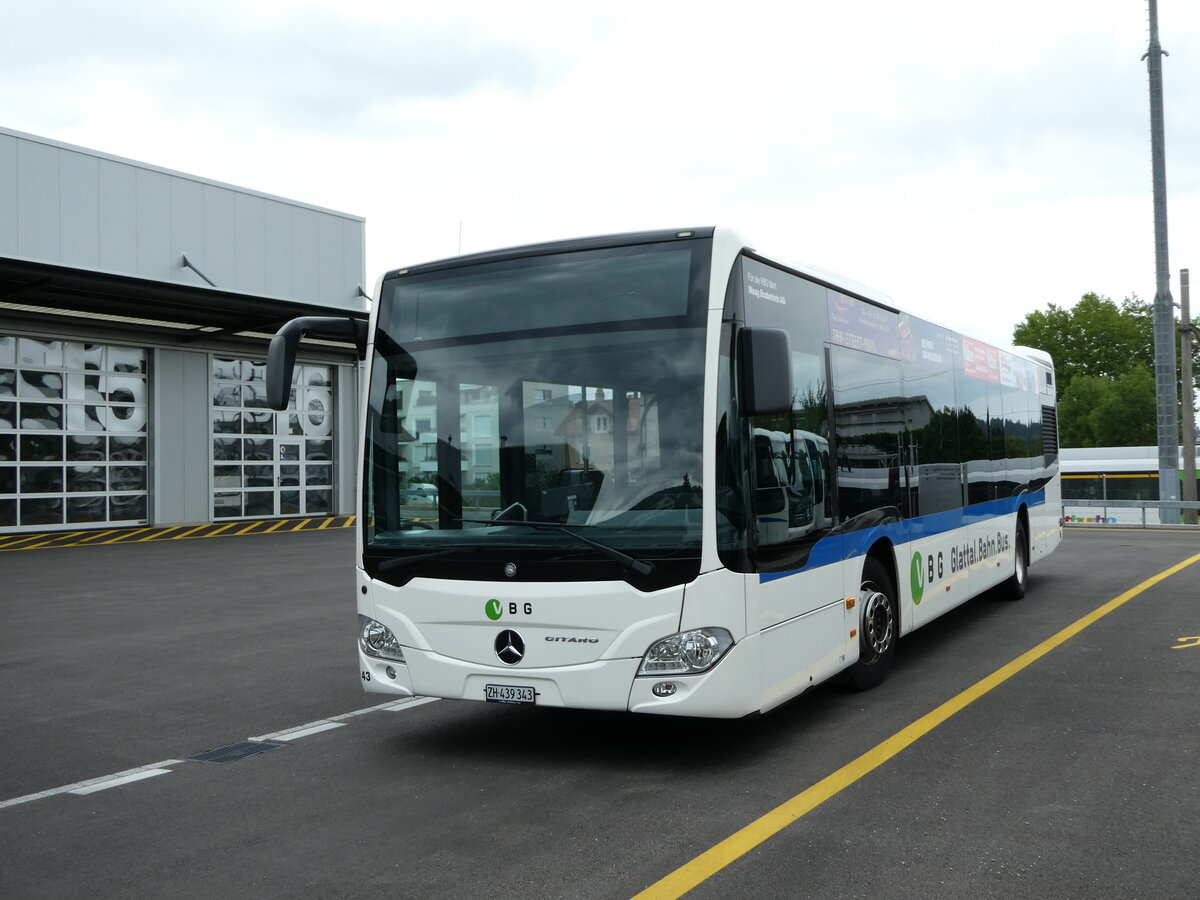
x=507 y=693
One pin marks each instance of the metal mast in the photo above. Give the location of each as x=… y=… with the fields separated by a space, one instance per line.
x=1187 y=396
x=1164 y=313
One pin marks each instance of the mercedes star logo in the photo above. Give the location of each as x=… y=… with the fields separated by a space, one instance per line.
x=510 y=647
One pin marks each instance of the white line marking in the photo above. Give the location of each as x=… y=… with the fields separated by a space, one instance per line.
x=74 y=788
x=117 y=782
x=390 y=706
x=292 y=734
x=400 y=705
x=81 y=788
x=299 y=731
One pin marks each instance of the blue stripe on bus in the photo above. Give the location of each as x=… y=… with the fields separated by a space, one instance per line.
x=834 y=548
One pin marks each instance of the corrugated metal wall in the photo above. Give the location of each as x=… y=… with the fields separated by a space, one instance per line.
x=73 y=207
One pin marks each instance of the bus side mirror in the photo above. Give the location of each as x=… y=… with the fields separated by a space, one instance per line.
x=281 y=355
x=765 y=369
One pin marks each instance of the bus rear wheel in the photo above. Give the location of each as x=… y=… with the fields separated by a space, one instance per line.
x=878 y=627
x=1014 y=588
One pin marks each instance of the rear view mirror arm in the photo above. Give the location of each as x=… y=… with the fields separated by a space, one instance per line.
x=281 y=355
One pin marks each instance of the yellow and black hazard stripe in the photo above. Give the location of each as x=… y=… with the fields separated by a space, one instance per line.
x=47 y=539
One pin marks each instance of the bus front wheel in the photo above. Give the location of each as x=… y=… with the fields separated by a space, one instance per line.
x=878 y=626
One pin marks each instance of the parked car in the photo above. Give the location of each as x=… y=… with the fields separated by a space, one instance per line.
x=419 y=493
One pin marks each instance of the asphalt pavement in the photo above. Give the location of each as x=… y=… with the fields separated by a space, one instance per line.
x=1074 y=775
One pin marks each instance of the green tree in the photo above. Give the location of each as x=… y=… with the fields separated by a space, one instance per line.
x=1094 y=337
x=1104 y=356
x=1109 y=412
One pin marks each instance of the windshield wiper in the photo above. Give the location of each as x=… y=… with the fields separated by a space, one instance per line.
x=629 y=562
x=399 y=562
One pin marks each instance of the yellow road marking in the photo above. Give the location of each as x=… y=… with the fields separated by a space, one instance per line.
x=158 y=534
x=12 y=545
x=741 y=842
x=44 y=539
x=189 y=531
x=127 y=534
x=98 y=534
x=53 y=540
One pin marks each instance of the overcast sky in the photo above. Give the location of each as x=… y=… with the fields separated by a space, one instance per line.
x=975 y=161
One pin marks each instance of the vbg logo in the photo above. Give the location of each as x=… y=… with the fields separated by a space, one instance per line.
x=494 y=609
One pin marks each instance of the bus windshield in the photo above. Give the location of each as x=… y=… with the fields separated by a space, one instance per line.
x=523 y=403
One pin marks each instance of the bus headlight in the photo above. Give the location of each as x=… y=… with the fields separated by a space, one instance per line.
x=377 y=640
x=686 y=653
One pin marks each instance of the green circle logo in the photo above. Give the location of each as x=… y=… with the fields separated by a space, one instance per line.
x=493 y=609
x=918 y=578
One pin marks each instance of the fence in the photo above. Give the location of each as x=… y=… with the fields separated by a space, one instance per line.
x=1138 y=513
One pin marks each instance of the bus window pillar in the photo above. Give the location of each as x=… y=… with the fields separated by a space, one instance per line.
x=449 y=454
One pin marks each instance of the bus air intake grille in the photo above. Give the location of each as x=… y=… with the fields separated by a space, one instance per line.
x=1050 y=433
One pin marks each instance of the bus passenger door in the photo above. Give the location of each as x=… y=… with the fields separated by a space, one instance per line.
x=872 y=458
x=872 y=454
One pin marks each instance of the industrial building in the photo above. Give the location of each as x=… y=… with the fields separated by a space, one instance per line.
x=136 y=304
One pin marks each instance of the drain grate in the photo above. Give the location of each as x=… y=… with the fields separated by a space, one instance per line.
x=234 y=752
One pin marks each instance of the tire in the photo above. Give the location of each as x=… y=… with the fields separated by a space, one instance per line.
x=1014 y=588
x=878 y=627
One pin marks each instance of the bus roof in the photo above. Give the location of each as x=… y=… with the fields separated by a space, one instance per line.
x=723 y=234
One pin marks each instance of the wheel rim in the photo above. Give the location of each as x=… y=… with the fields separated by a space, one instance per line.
x=878 y=624
x=1022 y=563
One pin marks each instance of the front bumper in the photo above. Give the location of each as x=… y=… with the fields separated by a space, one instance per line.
x=729 y=690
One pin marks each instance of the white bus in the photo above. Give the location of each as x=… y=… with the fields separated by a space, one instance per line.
x=674 y=475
